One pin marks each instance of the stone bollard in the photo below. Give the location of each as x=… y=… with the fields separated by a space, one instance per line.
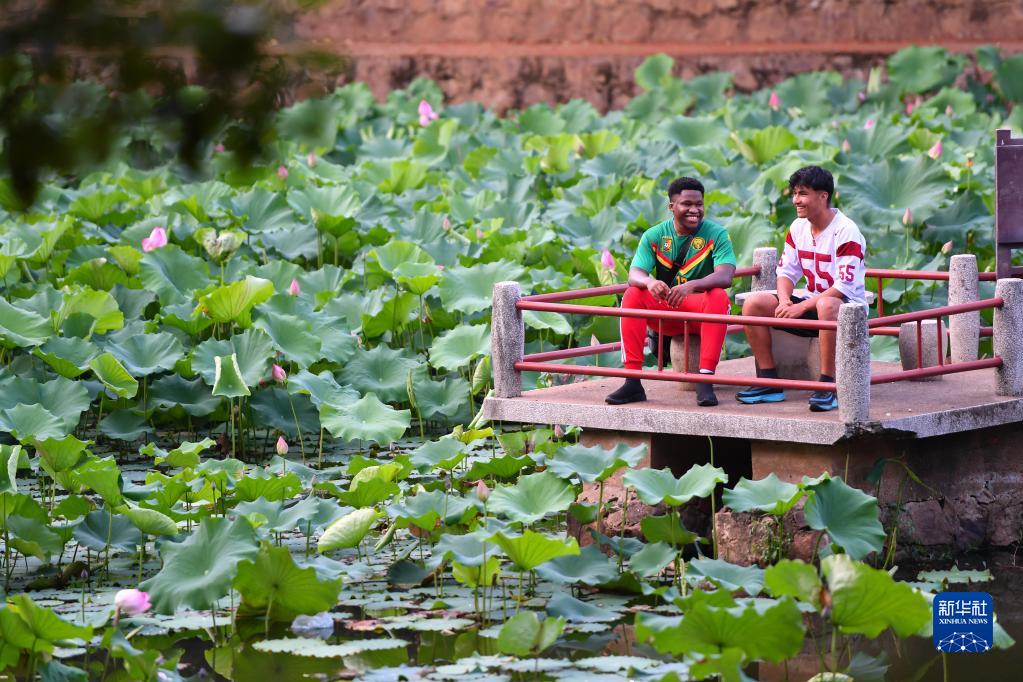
x=1008 y=337
x=766 y=258
x=852 y=363
x=928 y=346
x=964 y=328
x=507 y=340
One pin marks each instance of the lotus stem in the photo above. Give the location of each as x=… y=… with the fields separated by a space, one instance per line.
x=301 y=442
x=600 y=509
x=713 y=505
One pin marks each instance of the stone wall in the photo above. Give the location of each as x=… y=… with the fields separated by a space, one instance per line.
x=512 y=53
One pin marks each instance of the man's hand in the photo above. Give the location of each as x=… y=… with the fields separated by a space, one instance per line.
x=658 y=288
x=678 y=293
x=791 y=311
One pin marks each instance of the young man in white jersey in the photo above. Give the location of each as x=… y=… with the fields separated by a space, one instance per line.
x=826 y=248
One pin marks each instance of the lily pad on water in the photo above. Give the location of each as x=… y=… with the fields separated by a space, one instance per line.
x=655 y=486
x=272 y=585
x=456 y=348
x=594 y=463
x=319 y=649
x=770 y=494
x=365 y=419
x=589 y=567
x=533 y=497
x=530 y=550
x=97 y=528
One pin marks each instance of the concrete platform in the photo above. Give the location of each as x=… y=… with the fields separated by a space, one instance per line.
x=957 y=403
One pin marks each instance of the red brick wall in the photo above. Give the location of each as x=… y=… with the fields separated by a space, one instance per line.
x=512 y=53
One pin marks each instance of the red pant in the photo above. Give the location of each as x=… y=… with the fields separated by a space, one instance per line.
x=712 y=336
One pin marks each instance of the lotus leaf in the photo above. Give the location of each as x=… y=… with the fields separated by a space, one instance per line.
x=470 y=289
x=426 y=509
x=868 y=601
x=292 y=336
x=33 y=538
x=194 y=397
x=667 y=529
x=227 y=377
x=65 y=399
x=263 y=484
x=769 y=494
x=530 y=550
x=365 y=419
x=524 y=634
x=457 y=348
x=749 y=579
x=589 y=567
x=272 y=585
x=199 y=571
x=124 y=425
x=348 y=531
x=233 y=302
x=533 y=497
x=594 y=463
x=652 y=559
x=31 y=422
x=30 y=627
x=445 y=453
x=69 y=357
x=382 y=370
x=794 y=579
x=145 y=354
x=116 y=379
x=253 y=350
x=100 y=529
x=655 y=486
x=576 y=611
x=149 y=521
x=99 y=305
x=849 y=516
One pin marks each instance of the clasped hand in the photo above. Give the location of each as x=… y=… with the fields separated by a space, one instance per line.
x=673 y=296
x=790 y=310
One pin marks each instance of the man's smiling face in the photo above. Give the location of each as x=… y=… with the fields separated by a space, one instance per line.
x=687 y=209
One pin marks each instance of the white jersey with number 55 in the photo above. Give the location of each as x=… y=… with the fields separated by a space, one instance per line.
x=833 y=259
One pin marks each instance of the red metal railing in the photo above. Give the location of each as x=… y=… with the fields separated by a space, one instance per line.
x=881 y=325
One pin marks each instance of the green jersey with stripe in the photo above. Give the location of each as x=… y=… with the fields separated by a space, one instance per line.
x=660 y=246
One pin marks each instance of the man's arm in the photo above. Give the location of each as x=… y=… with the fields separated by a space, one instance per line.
x=721 y=278
x=642 y=279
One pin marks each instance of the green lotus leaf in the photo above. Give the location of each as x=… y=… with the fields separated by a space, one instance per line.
x=530 y=550
x=234 y=302
x=556 y=322
x=124 y=425
x=369 y=493
x=849 y=516
x=385 y=260
x=260 y=483
x=185 y=455
x=65 y=399
x=34 y=628
x=149 y=521
x=652 y=559
x=956 y=576
x=34 y=538
x=68 y=357
x=433 y=143
x=145 y=354
x=227 y=377
x=396 y=312
x=292 y=336
x=765 y=144
x=99 y=305
x=773 y=633
x=180 y=317
x=576 y=611
x=192 y=396
x=749 y=579
x=458 y=347
x=115 y=378
x=253 y=350
x=331 y=208
x=262 y=211
x=655 y=72
x=533 y=497
x=199 y=571
x=688 y=132
x=589 y=567
x=426 y=508
x=381 y=370
x=668 y=529
x=524 y=634
x=317 y=648
x=60 y=454
x=321 y=388
x=770 y=494
x=1009 y=74
x=868 y=601
x=365 y=419
x=104 y=477
x=920 y=68
x=967 y=214
x=882 y=192
x=470 y=289
x=100 y=529
x=476 y=576
x=445 y=454
x=97 y=273
x=418 y=278
x=308 y=515
x=655 y=486
x=595 y=463
x=21 y=328
x=272 y=407
x=794 y=579
x=445 y=401
x=9 y=456
x=347 y=531
x=32 y=422
x=271 y=585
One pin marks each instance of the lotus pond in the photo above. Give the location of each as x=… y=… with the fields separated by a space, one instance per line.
x=253 y=393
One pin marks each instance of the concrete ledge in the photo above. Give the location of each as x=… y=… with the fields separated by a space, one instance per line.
x=903 y=410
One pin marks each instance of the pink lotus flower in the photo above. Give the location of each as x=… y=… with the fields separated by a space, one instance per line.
x=910 y=105
x=607 y=260
x=935 y=151
x=559 y=432
x=479 y=233
x=278 y=374
x=482 y=491
x=219 y=149
x=949 y=111
x=156 y=239
x=282 y=172
x=282 y=446
x=426 y=113
x=846 y=146
x=947 y=246
x=132 y=602
x=445 y=224
x=774 y=101
x=310 y=159
x=907 y=217
x=861 y=96
x=869 y=124
x=594 y=341
x=294 y=289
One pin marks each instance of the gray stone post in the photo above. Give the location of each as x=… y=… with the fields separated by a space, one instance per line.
x=507 y=340
x=1008 y=337
x=766 y=258
x=852 y=363
x=964 y=328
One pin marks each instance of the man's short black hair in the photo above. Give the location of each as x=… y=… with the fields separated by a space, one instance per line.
x=814 y=177
x=679 y=185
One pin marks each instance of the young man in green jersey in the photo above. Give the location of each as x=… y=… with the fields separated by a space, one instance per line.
x=683 y=264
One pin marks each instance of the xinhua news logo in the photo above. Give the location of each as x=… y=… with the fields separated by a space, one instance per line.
x=964 y=622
